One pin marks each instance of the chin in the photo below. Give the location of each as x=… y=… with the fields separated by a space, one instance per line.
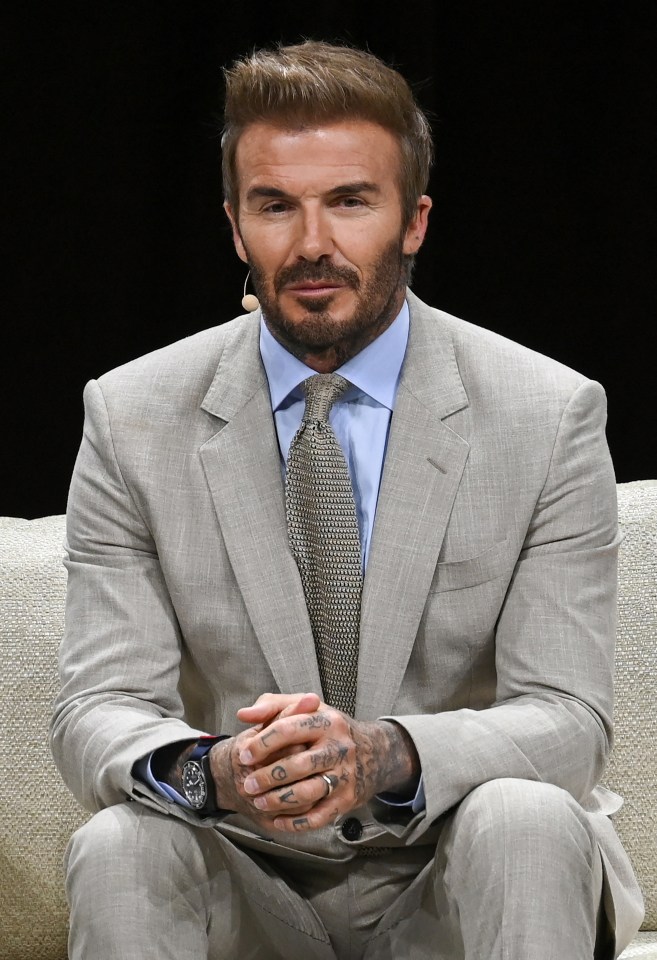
x=317 y=331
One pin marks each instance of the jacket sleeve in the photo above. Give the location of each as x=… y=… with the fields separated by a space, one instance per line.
x=554 y=644
x=121 y=651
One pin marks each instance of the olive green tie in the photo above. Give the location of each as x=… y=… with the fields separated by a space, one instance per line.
x=324 y=539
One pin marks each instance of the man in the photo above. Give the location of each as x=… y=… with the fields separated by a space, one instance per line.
x=337 y=671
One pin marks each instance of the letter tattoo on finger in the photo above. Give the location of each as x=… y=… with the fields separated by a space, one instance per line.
x=278 y=773
x=288 y=797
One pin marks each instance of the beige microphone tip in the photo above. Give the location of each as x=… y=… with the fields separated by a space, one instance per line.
x=250 y=302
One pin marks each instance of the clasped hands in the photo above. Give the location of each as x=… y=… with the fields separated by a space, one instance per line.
x=302 y=763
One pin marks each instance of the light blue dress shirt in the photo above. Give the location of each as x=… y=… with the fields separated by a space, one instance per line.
x=360 y=418
x=361 y=422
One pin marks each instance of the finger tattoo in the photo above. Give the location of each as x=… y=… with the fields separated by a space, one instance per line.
x=288 y=797
x=314 y=721
x=278 y=773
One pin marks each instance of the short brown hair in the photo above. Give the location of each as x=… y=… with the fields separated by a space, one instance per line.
x=316 y=82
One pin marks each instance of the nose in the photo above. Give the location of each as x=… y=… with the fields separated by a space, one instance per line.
x=314 y=239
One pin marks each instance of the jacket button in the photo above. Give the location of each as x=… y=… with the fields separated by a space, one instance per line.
x=352 y=829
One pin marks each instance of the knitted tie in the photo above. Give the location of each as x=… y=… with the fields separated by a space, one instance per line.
x=323 y=533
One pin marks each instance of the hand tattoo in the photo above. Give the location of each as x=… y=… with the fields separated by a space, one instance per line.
x=333 y=754
x=278 y=773
x=386 y=760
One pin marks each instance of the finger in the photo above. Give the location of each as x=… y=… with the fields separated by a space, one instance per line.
x=294 y=798
x=325 y=725
x=330 y=754
x=268 y=706
x=308 y=703
x=286 y=752
x=321 y=815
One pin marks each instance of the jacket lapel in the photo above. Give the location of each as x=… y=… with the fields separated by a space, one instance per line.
x=242 y=467
x=423 y=467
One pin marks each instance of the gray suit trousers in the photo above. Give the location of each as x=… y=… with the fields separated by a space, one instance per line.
x=516 y=875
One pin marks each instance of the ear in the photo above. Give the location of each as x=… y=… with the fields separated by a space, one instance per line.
x=417 y=228
x=237 y=236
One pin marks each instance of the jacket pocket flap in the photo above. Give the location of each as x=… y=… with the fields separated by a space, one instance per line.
x=459 y=574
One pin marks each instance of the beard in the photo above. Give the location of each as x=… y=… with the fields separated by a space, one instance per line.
x=377 y=304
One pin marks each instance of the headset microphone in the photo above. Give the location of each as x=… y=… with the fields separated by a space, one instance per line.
x=249 y=301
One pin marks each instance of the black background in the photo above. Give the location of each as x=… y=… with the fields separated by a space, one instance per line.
x=543 y=227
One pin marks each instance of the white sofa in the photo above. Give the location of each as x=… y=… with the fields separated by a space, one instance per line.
x=37 y=814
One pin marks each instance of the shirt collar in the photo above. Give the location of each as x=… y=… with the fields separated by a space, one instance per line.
x=375 y=370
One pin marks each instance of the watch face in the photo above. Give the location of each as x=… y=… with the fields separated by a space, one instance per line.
x=194 y=785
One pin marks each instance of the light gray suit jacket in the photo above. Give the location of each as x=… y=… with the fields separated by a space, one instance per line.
x=489 y=600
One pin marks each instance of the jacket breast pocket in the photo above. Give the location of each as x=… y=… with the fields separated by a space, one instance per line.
x=459 y=574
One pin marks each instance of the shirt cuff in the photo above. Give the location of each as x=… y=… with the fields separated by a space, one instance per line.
x=416 y=805
x=143 y=770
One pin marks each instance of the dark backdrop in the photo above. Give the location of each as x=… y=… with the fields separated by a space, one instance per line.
x=543 y=227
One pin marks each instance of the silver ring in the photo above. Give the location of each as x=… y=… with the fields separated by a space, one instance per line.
x=330 y=783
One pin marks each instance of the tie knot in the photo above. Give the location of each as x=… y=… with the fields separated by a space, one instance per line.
x=321 y=393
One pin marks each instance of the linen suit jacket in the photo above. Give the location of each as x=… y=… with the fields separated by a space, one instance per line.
x=488 y=611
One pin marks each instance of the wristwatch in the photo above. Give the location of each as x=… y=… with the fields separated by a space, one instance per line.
x=198 y=785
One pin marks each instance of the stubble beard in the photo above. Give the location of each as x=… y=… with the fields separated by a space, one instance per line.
x=319 y=332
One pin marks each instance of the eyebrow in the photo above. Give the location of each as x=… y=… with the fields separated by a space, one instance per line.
x=358 y=186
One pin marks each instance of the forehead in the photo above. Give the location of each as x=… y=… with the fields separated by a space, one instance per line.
x=316 y=157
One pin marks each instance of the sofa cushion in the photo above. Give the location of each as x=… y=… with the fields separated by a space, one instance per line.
x=644 y=947
x=38 y=812
x=632 y=771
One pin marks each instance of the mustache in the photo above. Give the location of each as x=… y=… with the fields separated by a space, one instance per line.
x=297 y=272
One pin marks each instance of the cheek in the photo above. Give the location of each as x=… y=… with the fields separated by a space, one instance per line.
x=269 y=253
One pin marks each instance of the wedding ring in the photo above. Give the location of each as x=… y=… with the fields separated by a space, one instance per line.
x=331 y=783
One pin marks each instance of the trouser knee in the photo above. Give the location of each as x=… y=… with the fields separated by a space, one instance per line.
x=521 y=854
x=121 y=837
x=515 y=816
x=129 y=860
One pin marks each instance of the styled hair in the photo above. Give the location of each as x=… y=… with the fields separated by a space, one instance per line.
x=315 y=83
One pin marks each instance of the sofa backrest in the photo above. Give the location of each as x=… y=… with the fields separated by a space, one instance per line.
x=38 y=815
x=632 y=771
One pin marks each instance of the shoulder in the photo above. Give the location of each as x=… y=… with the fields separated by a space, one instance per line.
x=180 y=373
x=492 y=367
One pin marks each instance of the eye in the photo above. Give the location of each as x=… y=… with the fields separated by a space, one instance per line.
x=352 y=202
x=276 y=206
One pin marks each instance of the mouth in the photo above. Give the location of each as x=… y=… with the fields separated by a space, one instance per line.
x=314 y=288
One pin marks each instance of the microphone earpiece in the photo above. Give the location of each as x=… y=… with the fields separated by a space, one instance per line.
x=249 y=301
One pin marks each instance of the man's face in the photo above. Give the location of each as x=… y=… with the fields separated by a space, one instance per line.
x=320 y=226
